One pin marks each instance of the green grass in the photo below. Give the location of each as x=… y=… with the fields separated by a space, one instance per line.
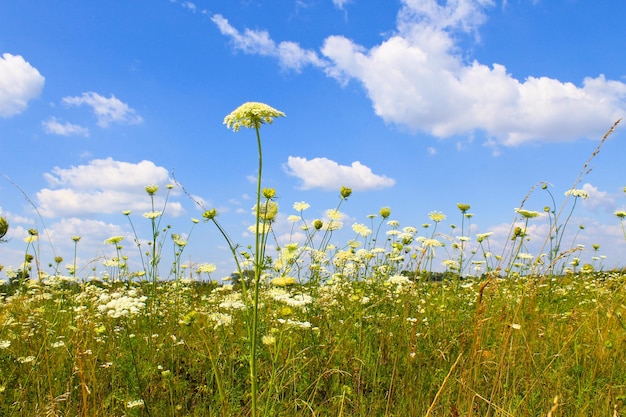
x=478 y=347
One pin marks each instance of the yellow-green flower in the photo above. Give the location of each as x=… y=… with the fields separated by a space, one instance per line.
x=4 y=227
x=283 y=281
x=301 y=206
x=114 y=240
x=437 y=216
x=152 y=214
x=577 y=193
x=151 y=189
x=463 y=207
x=528 y=214
x=251 y=115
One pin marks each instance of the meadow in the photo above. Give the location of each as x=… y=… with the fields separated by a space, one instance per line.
x=375 y=326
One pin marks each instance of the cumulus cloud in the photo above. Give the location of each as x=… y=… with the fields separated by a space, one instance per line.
x=20 y=82
x=417 y=79
x=54 y=127
x=329 y=175
x=598 y=199
x=102 y=186
x=290 y=54
x=107 y=110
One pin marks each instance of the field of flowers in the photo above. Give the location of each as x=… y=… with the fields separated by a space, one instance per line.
x=380 y=346
x=313 y=327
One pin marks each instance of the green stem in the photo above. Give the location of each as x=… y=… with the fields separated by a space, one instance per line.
x=257 y=278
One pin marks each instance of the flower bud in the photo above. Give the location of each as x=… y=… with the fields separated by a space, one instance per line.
x=269 y=192
x=463 y=207
x=345 y=192
x=318 y=224
x=385 y=212
x=4 y=227
x=152 y=189
x=209 y=214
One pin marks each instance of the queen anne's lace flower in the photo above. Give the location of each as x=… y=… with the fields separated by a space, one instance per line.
x=251 y=115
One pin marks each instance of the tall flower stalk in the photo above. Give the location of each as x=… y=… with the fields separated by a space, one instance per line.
x=252 y=115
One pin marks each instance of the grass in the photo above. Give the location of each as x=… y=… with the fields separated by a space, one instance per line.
x=315 y=328
x=498 y=347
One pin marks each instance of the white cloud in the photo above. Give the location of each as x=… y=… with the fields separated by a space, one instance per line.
x=289 y=54
x=107 y=110
x=54 y=127
x=417 y=79
x=340 y=3
x=103 y=186
x=20 y=82
x=598 y=199
x=329 y=175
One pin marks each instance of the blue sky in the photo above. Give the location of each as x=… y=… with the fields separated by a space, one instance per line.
x=415 y=104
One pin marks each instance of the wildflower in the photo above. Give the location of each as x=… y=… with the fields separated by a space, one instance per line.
x=515 y=326
x=431 y=243
x=33 y=232
x=264 y=228
x=152 y=214
x=251 y=115
x=292 y=218
x=385 y=212
x=209 y=214
x=361 y=229
x=268 y=211
x=4 y=227
x=436 y=216
x=333 y=225
x=178 y=241
x=134 y=404
x=450 y=264
x=301 y=206
x=463 y=207
x=577 y=193
x=526 y=256
x=221 y=319
x=283 y=281
x=206 y=268
x=345 y=192
x=398 y=280
x=30 y=238
x=123 y=305
x=126 y=212
x=4 y=344
x=269 y=192
x=529 y=214
x=482 y=236
x=334 y=214
x=152 y=189
x=620 y=213
x=393 y=223
x=26 y=359
x=268 y=340
x=76 y=238
x=194 y=220
x=114 y=240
